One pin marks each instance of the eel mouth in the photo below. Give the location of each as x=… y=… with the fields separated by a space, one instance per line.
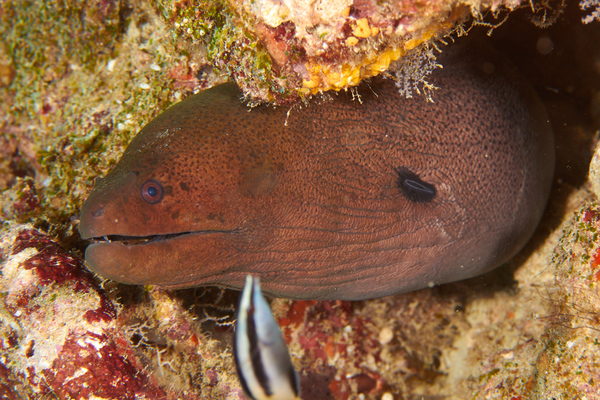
x=141 y=240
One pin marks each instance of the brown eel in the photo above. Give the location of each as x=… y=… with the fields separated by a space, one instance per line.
x=343 y=200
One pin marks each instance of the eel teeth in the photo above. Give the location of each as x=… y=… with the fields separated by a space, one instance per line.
x=262 y=359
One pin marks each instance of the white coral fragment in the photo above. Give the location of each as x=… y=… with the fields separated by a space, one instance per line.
x=412 y=70
x=589 y=4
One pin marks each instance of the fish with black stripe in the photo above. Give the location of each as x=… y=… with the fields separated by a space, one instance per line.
x=262 y=359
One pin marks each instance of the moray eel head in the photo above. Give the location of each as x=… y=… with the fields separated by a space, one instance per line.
x=161 y=194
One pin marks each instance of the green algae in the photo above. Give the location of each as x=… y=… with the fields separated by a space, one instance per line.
x=48 y=39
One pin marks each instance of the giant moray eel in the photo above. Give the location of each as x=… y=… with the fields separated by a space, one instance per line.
x=343 y=200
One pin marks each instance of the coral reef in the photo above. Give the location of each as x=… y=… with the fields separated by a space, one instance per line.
x=527 y=331
x=568 y=364
x=512 y=341
x=350 y=348
x=59 y=324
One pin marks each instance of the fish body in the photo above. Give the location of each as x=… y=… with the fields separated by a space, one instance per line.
x=262 y=359
x=342 y=200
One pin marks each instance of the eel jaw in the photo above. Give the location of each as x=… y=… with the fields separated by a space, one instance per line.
x=141 y=240
x=163 y=260
x=170 y=260
x=136 y=240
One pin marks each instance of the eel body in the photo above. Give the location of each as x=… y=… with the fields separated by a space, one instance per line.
x=343 y=200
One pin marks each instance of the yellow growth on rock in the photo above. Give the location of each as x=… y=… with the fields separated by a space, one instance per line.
x=331 y=77
x=322 y=75
x=362 y=28
x=328 y=77
x=351 y=41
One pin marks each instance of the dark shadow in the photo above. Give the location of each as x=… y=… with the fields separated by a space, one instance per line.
x=562 y=62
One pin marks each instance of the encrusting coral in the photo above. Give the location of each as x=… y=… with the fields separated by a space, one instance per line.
x=280 y=51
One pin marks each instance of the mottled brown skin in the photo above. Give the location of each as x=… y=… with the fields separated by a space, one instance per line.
x=313 y=206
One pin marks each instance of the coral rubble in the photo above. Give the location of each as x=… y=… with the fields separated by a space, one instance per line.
x=569 y=363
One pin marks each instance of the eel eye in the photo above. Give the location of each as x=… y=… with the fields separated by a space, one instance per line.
x=152 y=192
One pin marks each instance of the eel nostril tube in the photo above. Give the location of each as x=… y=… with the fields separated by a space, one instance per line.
x=98 y=213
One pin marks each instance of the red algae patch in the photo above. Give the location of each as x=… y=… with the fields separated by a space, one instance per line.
x=94 y=366
x=58 y=327
x=52 y=264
